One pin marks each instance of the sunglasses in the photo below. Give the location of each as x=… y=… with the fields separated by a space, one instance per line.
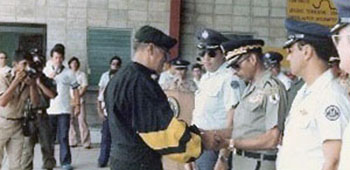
x=211 y=53
x=336 y=38
x=236 y=65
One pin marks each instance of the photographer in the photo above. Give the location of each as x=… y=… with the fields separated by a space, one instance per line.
x=39 y=129
x=16 y=88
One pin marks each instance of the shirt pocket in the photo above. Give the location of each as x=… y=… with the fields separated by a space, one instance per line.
x=213 y=91
x=304 y=121
x=255 y=102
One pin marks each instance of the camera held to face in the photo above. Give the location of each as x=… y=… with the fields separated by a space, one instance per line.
x=35 y=68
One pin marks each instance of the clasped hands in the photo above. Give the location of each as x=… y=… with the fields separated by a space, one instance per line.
x=215 y=139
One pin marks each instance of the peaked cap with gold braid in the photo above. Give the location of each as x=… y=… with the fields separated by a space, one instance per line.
x=234 y=49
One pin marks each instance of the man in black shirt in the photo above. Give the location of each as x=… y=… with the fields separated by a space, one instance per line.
x=142 y=125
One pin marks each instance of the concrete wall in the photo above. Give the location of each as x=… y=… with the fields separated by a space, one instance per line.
x=260 y=18
x=67 y=20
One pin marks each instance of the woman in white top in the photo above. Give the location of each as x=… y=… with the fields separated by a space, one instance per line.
x=74 y=65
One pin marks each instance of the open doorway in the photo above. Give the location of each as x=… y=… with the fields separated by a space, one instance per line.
x=18 y=36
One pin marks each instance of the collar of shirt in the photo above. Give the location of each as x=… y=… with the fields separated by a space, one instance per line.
x=320 y=82
x=222 y=68
x=258 y=83
x=148 y=72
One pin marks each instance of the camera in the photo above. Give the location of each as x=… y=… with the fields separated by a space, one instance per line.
x=37 y=65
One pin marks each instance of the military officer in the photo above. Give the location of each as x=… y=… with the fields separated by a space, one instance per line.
x=320 y=110
x=272 y=61
x=255 y=133
x=218 y=94
x=341 y=39
x=180 y=82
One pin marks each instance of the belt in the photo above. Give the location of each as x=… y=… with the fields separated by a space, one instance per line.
x=254 y=155
x=12 y=119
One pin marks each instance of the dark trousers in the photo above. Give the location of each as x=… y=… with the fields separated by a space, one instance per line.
x=60 y=127
x=105 y=143
x=43 y=136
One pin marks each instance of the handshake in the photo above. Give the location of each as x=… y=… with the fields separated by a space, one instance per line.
x=216 y=139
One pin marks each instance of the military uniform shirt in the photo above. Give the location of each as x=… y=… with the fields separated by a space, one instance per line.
x=260 y=108
x=319 y=112
x=15 y=108
x=287 y=82
x=142 y=124
x=344 y=163
x=186 y=85
x=5 y=70
x=218 y=92
x=165 y=77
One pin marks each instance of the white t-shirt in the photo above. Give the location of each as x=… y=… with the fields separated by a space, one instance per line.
x=65 y=80
x=218 y=92
x=319 y=112
x=82 y=80
x=103 y=84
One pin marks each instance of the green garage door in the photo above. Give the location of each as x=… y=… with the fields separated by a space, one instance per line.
x=103 y=44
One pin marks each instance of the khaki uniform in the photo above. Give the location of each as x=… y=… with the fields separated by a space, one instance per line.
x=186 y=85
x=11 y=137
x=262 y=106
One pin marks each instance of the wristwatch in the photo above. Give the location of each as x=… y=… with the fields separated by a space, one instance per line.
x=223 y=158
x=231 y=145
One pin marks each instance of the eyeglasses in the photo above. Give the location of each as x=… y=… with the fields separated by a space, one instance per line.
x=236 y=65
x=336 y=38
x=211 y=53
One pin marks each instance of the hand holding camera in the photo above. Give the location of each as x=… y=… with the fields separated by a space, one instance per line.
x=20 y=76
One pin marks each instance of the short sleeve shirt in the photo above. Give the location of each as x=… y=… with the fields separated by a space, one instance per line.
x=102 y=86
x=82 y=80
x=5 y=70
x=260 y=108
x=344 y=163
x=165 y=78
x=319 y=112
x=65 y=80
x=14 y=109
x=218 y=92
x=287 y=82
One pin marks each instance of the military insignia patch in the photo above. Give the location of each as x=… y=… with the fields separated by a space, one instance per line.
x=234 y=84
x=174 y=105
x=256 y=99
x=275 y=98
x=332 y=113
x=205 y=34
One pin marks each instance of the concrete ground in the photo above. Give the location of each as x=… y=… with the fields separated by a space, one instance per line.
x=82 y=159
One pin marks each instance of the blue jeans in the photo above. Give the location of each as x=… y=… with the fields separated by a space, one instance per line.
x=105 y=143
x=207 y=160
x=60 y=127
